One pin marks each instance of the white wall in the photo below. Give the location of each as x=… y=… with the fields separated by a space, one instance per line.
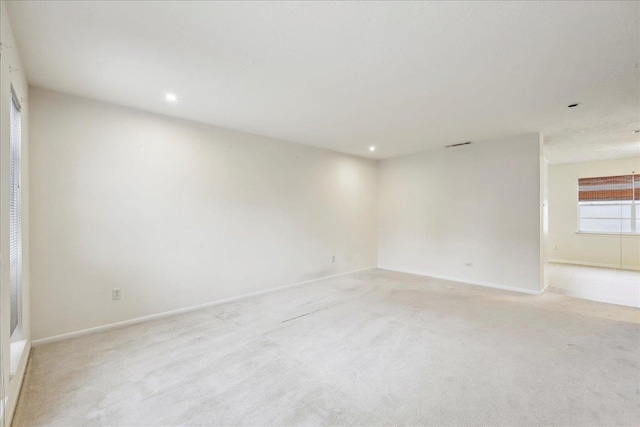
x=178 y=214
x=544 y=217
x=565 y=244
x=12 y=75
x=478 y=204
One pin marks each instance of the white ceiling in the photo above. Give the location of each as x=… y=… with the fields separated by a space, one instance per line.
x=402 y=76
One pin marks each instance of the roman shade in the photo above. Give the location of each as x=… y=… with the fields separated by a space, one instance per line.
x=609 y=188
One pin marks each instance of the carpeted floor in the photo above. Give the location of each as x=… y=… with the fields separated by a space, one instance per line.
x=372 y=348
x=608 y=285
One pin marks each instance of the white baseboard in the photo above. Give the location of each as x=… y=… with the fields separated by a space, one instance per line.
x=546 y=286
x=15 y=384
x=136 y=320
x=467 y=281
x=595 y=264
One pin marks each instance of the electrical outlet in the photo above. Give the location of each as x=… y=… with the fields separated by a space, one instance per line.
x=469 y=264
x=333 y=258
x=116 y=294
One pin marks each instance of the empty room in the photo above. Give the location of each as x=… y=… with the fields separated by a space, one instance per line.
x=331 y=213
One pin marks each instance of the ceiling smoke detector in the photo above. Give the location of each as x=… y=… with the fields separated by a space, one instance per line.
x=460 y=144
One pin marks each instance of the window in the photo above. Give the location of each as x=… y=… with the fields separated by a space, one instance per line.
x=15 y=217
x=609 y=204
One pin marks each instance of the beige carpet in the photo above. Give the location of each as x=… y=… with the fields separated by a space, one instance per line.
x=608 y=285
x=373 y=348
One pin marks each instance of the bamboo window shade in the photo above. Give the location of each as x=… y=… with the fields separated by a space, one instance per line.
x=609 y=188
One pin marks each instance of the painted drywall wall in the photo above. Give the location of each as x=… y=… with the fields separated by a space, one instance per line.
x=565 y=244
x=478 y=204
x=177 y=214
x=13 y=76
x=544 y=216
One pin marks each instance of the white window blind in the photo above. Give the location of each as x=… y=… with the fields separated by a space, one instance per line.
x=15 y=217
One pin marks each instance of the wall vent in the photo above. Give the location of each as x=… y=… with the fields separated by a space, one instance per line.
x=460 y=144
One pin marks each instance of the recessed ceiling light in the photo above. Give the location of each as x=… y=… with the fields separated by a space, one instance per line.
x=171 y=97
x=372 y=148
x=574 y=105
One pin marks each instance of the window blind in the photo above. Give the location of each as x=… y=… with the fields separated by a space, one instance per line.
x=609 y=204
x=15 y=216
x=608 y=188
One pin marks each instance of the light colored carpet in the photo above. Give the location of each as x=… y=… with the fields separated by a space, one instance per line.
x=608 y=285
x=372 y=348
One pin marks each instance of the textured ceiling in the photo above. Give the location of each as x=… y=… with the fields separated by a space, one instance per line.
x=404 y=76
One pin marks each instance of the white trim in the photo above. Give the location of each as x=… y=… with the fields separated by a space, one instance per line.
x=467 y=281
x=16 y=352
x=12 y=394
x=596 y=264
x=544 y=289
x=595 y=233
x=136 y=320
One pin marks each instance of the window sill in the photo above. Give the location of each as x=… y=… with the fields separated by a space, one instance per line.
x=590 y=233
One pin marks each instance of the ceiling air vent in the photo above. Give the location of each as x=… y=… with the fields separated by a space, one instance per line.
x=459 y=144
